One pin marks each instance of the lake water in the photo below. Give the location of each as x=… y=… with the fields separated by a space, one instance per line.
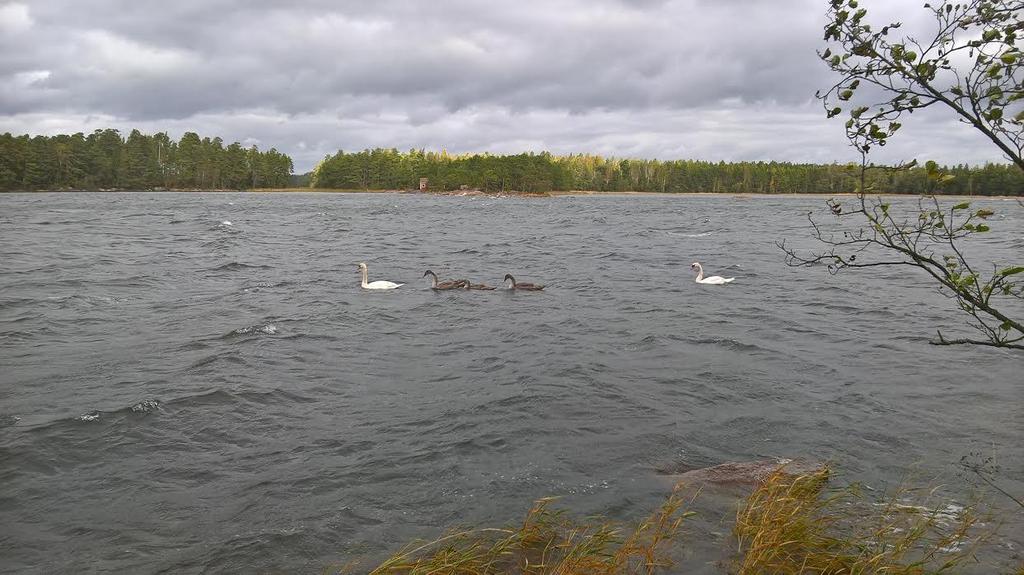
x=178 y=394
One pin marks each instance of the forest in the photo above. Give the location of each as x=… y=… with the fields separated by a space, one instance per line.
x=106 y=160
x=543 y=172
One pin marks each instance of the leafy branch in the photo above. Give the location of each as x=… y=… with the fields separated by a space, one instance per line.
x=971 y=67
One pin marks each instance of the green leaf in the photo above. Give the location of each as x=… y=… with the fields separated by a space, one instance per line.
x=946 y=178
x=1006 y=326
x=981 y=228
x=962 y=206
x=1011 y=271
x=990 y=35
x=931 y=166
x=984 y=213
x=845 y=95
x=1008 y=58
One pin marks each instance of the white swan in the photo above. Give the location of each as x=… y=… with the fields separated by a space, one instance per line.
x=380 y=284
x=711 y=280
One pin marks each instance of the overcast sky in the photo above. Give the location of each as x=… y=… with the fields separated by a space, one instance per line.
x=703 y=79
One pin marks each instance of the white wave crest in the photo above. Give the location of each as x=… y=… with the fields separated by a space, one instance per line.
x=146 y=406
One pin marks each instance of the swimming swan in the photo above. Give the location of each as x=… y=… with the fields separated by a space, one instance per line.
x=377 y=284
x=712 y=280
x=445 y=285
x=521 y=286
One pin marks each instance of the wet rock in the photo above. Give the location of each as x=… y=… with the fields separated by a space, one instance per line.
x=747 y=473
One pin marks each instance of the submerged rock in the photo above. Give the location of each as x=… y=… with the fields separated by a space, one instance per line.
x=748 y=473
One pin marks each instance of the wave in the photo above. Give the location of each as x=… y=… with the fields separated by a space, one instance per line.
x=258 y=329
x=217 y=357
x=144 y=407
x=238 y=266
x=700 y=235
x=728 y=343
x=9 y=420
x=152 y=406
x=260 y=286
x=148 y=407
x=225 y=397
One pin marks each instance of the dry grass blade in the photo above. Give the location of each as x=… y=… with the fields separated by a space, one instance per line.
x=547 y=543
x=791 y=525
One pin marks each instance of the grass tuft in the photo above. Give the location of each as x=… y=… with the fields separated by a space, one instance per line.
x=547 y=543
x=793 y=525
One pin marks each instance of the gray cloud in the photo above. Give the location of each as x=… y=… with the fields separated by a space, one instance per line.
x=657 y=78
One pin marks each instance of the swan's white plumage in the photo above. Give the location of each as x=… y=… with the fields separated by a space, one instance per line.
x=715 y=280
x=710 y=280
x=379 y=284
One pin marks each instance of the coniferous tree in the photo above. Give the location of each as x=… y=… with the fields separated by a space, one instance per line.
x=106 y=160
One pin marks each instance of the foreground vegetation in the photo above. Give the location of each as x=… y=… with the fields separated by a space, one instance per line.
x=392 y=169
x=106 y=160
x=790 y=524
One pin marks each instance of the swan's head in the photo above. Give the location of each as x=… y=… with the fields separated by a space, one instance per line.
x=362 y=266
x=429 y=273
x=509 y=278
x=695 y=266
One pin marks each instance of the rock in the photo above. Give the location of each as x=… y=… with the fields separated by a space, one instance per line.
x=751 y=473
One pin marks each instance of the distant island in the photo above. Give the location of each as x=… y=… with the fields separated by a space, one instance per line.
x=106 y=160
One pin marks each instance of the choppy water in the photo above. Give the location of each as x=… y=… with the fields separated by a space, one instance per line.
x=178 y=394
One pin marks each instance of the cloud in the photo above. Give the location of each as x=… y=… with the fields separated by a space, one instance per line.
x=659 y=78
x=14 y=18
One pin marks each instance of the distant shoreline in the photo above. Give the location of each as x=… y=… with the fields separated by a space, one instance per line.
x=478 y=193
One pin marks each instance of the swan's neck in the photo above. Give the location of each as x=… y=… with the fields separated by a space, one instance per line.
x=433 y=280
x=700 y=272
x=364 y=273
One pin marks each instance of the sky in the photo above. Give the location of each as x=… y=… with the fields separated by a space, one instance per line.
x=694 y=79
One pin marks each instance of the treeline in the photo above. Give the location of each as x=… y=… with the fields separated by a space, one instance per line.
x=106 y=160
x=391 y=169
